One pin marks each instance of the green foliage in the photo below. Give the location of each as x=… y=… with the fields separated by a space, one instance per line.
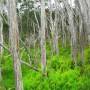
x=7 y=71
x=87 y=55
x=60 y=74
x=83 y=83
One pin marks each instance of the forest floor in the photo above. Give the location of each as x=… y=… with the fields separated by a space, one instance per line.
x=61 y=72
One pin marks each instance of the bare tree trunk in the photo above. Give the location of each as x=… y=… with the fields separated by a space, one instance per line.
x=1 y=30
x=1 y=35
x=43 y=41
x=63 y=29
x=84 y=7
x=14 y=42
x=54 y=29
x=83 y=11
x=1 y=42
x=72 y=31
x=88 y=31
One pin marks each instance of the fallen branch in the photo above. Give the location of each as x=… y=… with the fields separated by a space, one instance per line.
x=22 y=62
x=26 y=50
x=27 y=64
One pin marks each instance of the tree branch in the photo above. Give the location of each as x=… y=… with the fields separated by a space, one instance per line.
x=27 y=64
x=22 y=62
x=4 y=47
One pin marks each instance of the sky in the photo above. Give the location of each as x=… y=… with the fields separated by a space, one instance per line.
x=71 y=2
x=52 y=1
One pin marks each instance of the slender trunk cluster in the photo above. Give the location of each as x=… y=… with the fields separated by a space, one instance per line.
x=83 y=25
x=54 y=27
x=72 y=30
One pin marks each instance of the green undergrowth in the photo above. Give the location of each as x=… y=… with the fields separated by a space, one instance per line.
x=61 y=72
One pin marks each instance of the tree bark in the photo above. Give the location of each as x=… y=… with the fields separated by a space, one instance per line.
x=1 y=35
x=54 y=28
x=72 y=31
x=43 y=40
x=14 y=42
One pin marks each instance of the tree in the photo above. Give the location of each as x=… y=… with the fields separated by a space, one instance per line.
x=54 y=27
x=72 y=30
x=43 y=41
x=1 y=33
x=14 y=43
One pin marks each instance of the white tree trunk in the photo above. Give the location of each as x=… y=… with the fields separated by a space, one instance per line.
x=72 y=31
x=14 y=42
x=1 y=35
x=43 y=41
x=54 y=29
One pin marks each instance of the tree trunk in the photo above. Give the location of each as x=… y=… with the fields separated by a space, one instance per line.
x=54 y=28
x=1 y=35
x=43 y=41
x=14 y=42
x=72 y=31
x=83 y=11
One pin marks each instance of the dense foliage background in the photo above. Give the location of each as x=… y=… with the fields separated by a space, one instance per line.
x=65 y=46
